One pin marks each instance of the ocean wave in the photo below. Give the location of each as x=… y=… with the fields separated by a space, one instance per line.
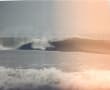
x=24 y=43
x=53 y=79
x=36 y=44
x=65 y=45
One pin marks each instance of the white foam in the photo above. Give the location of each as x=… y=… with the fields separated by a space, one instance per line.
x=54 y=78
x=28 y=78
x=5 y=48
x=40 y=43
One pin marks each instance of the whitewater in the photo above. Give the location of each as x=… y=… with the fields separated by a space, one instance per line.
x=53 y=79
x=15 y=43
x=52 y=70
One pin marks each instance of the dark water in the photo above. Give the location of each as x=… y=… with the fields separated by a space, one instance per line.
x=35 y=59
x=63 y=60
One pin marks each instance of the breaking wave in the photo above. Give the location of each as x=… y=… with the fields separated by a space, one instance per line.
x=23 y=43
x=67 y=45
x=53 y=79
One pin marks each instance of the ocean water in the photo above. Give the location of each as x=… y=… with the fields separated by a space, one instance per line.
x=51 y=70
x=74 y=61
x=33 y=58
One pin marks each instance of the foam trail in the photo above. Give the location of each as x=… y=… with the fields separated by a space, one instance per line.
x=53 y=79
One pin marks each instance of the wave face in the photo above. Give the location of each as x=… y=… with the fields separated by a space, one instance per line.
x=53 y=79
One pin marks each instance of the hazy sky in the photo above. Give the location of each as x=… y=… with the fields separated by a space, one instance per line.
x=26 y=18
x=88 y=18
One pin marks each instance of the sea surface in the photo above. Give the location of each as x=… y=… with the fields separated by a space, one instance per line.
x=41 y=59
